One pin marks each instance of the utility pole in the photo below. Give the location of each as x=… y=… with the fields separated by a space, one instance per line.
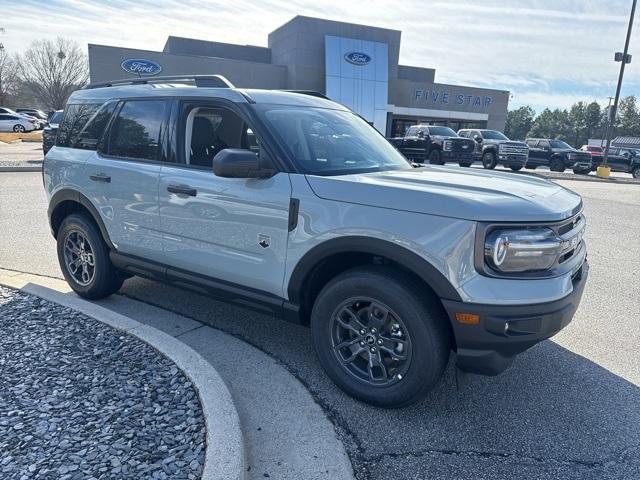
x=606 y=128
x=623 y=58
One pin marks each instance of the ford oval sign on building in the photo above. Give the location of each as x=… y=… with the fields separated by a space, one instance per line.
x=140 y=66
x=357 y=58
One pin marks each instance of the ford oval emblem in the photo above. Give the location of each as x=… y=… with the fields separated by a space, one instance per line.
x=140 y=66
x=357 y=58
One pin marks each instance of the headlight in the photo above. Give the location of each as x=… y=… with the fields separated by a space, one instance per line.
x=522 y=249
x=572 y=156
x=447 y=145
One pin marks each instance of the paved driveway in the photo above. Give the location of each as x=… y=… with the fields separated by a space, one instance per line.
x=568 y=408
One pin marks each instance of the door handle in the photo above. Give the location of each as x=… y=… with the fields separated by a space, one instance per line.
x=100 y=177
x=182 y=190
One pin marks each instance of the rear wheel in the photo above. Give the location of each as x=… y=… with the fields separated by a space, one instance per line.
x=516 y=168
x=379 y=337
x=556 y=165
x=582 y=171
x=489 y=160
x=84 y=258
x=465 y=164
x=435 y=157
x=636 y=172
x=19 y=128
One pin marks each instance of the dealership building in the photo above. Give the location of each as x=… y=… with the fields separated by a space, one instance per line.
x=356 y=65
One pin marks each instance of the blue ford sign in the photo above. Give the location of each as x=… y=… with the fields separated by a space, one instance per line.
x=357 y=58
x=140 y=66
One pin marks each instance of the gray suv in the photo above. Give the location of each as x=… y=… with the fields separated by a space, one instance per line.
x=292 y=204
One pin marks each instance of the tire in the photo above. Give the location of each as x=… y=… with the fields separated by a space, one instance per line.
x=489 y=160
x=516 y=168
x=102 y=279
x=636 y=172
x=584 y=171
x=19 y=128
x=556 y=165
x=417 y=318
x=435 y=157
x=532 y=167
x=465 y=164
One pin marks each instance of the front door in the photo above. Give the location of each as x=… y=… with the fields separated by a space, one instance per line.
x=230 y=229
x=122 y=176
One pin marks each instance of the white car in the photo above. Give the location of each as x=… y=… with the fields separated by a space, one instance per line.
x=16 y=123
x=37 y=123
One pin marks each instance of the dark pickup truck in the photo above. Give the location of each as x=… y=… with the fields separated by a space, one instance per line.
x=557 y=155
x=494 y=148
x=439 y=145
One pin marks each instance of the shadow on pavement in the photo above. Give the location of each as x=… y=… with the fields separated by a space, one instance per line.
x=553 y=414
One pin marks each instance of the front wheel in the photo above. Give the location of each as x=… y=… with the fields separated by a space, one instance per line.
x=435 y=157
x=556 y=165
x=489 y=160
x=582 y=171
x=19 y=128
x=465 y=164
x=84 y=258
x=380 y=337
x=516 y=168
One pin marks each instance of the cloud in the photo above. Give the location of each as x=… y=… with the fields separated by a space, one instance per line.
x=537 y=49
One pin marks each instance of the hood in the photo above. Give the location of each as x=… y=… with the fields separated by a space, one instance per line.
x=506 y=142
x=471 y=194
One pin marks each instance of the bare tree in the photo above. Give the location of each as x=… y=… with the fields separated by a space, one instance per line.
x=52 y=70
x=7 y=75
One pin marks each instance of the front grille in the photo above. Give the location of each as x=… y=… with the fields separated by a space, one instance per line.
x=462 y=145
x=583 y=157
x=513 y=149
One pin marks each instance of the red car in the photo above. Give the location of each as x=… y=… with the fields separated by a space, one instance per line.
x=596 y=155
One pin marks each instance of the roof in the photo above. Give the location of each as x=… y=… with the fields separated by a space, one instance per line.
x=236 y=95
x=633 y=142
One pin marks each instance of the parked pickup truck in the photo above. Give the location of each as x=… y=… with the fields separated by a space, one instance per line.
x=557 y=155
x=493 y=148
x=439 y=145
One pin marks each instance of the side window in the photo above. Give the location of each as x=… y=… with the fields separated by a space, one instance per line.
x=423 y=132
x=5 y=117
x=474 y=133
x=543 y=144
x=464 y=134
x=209 y=130
x=88 y=137
x=76 y=117
x=135 y=132
x=532 y=143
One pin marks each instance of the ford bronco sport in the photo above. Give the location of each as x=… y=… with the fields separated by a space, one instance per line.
x=292 y=204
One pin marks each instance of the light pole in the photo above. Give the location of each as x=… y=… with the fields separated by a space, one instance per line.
x=623 y=58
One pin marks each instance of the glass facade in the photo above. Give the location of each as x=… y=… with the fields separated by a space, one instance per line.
x=357 y=76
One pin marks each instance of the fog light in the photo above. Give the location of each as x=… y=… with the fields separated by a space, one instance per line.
x=506 y=327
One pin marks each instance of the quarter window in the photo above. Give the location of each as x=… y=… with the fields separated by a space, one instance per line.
x=76 y=117
x=136 y=130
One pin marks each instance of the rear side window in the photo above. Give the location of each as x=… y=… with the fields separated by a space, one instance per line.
x=136 y=130
x=76 y=117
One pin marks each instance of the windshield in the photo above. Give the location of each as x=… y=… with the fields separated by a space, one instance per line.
x=493 y=135
x=55 y=117
x=442 y=131
x=332 y=142
x=559 y=144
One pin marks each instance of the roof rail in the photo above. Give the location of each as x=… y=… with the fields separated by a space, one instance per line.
x=312 y=93
x=214 y=81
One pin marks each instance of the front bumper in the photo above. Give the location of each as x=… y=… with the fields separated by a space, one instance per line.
x=486 y=348
x=512 y=160
x=460 y=156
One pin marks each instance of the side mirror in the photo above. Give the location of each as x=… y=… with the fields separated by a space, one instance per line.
x=477 y=138
x=239 y=163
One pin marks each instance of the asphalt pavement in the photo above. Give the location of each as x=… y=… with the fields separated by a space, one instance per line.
x=568 y=408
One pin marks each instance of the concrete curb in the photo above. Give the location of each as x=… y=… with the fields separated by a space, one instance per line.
x=588 y=178
x=20 y=169
x=224 y=453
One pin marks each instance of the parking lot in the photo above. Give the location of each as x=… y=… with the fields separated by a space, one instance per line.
x=568 y=408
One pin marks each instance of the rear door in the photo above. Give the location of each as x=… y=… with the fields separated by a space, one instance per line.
x=535 y=157
x=619 y=159
x=122 y=176
x=5 y=123
x=229 y=229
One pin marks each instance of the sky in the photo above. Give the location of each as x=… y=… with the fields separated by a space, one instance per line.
x=547 y=53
